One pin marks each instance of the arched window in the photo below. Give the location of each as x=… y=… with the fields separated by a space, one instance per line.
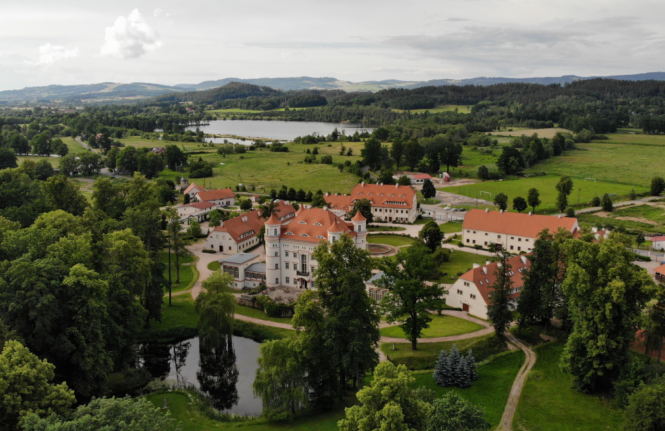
x=303 y=263
x=275 y=231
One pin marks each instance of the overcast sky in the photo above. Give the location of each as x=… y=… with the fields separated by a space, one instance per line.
x=172 y=42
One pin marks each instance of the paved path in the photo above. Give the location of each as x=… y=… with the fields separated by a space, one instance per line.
x=516 y=391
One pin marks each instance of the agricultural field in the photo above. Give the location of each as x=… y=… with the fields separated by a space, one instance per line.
x=440 y=326
x=270 y=170
x=648 y=218
x=583 y=191
x=462 y=109
x=624 y=157
x=566 y=409
x=542 y=133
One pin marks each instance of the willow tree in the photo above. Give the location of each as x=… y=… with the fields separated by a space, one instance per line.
x=281 y=379
x=216 y=307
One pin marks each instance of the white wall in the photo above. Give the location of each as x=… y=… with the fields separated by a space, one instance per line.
x=477 y=306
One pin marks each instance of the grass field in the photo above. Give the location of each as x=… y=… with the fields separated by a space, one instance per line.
x=626 y=158
x=451 y=227
x=542 y=133
x=214 y=266
x=394 y=240
x=462 y=109
x=428 y=349
x=636 y=217
x=258 y=314
x=440 y=326
x=549 y=402
x=182 y=410
x=460 y=261
x=188 y=273
x=492 y=388
x=546 y=185
x=267 y=170
x=380 y=228
x=180 y=313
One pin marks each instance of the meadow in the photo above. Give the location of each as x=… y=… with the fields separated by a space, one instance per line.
x=440 y=326
x=583 y=191
x=268 y=170
x=542 y=133
x=550 y=403
x=626 y=158
x=460 y=262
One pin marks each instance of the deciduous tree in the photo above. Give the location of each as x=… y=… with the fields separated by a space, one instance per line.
x=564 y=188
x=429 y=191
x=431 y=235
x=365 y=208
x=533 y=199
x=501 y=201
x=409 y=298
x=498 y=309
x=519 y=204
x=452 y=412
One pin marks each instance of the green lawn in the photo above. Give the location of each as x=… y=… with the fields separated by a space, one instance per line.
x=440 y=326
x=259 y=314
x=268 y=170
x=627 y=158
x=379 y=228
x=180 y=313
x=428 y=349
x=181 y=410
x=214 y=266
x=492 y=388
x=460 y=261
x=546 y=185
x=549 y=402
x=451 y=227
x=394 y=240
x=593 y=220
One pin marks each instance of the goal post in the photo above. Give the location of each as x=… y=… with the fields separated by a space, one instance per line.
x=590 y=179
x=488 y=193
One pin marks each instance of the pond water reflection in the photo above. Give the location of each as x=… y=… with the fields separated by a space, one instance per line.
x=224 y=374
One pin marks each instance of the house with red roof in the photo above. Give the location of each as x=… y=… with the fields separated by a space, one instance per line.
x=471 y=292
x=419 y=178
x=221 y=197
x=391 y=203
x=191 y=189
x=513 y=232
x=195 y=210
x=240 y=233
x=658 y=242
x=660 y=274
x=289 y=246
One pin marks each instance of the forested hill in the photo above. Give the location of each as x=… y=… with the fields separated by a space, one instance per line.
x=232 y=90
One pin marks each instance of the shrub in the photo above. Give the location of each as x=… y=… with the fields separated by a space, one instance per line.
x=570 y=212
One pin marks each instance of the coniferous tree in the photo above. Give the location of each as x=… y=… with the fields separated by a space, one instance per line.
x=463 y=375
x=454 y=366
x=440 y=369
x=471 y=363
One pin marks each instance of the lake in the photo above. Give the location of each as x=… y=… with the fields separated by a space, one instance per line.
x=225 y=376
x=279 y=130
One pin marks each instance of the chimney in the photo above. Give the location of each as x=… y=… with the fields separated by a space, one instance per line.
x=327 y=193
x=529 y=213
x=396 y=186
x=476 y=265
x=487 y=262
x=501 y=211
x=559 y=215
x=487 y=210
x=485 y=270
x=325 y=208
x=499 y=265
x=362 y=184
x=523 y=259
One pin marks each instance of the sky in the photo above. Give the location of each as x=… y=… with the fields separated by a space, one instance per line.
x=176 y=42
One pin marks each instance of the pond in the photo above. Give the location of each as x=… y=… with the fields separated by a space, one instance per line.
x=225 y=375
x=280 y=130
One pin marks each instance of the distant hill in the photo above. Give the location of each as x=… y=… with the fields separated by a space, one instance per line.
x=114 y=92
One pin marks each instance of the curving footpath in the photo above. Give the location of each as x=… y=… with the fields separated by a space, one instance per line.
x=516 y=390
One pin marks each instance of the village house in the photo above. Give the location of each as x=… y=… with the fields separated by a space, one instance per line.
x=247 y=271
x=195 y=211
x=289 y=247
x=159 y=150
x=513 y=232
x=189 y=189
x=240 y=233
x=221 y=197
x=658 y=242
x=390 y=203
x=660 y=274
x=471 y=292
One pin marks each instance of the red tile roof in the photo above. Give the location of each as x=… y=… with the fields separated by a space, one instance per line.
x=339 y=202
x=658 y=238
x=247 y=224
x=212 y=195
x=515 y=223
x=191 y=187
x=660 y=269
x=484 y=276
x=421 y=177
x=200 y=205
x=385 y=196
x=359 y=217
x=312 y=225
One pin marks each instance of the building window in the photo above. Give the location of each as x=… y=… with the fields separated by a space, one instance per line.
x=518 y=248
x=235 y=272
x=498 y=236
x=468 y=240
x=486 y=234
x=286 y=265
x=276 y=266
x=286 y=253
x=287 y=280
x=277 y=281
x=519 y=239
x=276 y=254
x=472 y=296
x=303 y=263
x=459 y=292
x=512 y=237
x=511 y=247
x=474 y=231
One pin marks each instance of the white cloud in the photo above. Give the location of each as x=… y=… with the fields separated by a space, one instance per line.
x=130 y=37
x=157 y=12
x=49 y=54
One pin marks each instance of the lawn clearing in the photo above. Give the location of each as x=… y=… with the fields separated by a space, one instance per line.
x=546 y=185
x=214 y=266
x=180 y=313
x=460 y=262
x=188 y=414
x=619 y=218
x=451 y=227
x=259 y=314
x=188 y=272
x=492 y=388
x=379 y=228
x=394 y=240
x=549 y=402
x=440 y=326
x=428 y=351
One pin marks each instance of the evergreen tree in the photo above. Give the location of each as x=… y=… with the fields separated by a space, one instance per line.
x=471 y=363
x=463 y=375
x=429 y=191
x=453 y=366
x=440 y=369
